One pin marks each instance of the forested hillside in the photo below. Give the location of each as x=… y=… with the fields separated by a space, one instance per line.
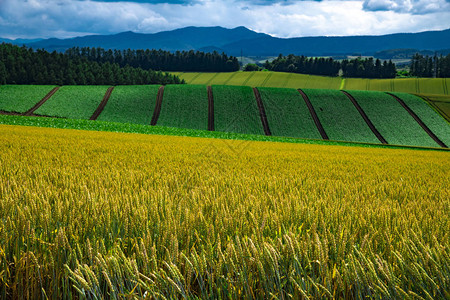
x=427 y=66
x=160 y=60
x=22 y=65
x=364 y=68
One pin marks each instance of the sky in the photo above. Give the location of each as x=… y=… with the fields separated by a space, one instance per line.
x=280 y=18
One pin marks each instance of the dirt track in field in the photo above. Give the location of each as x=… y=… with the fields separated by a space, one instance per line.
x=102 y=104
x=314 y=115
x=210 y=109
x=262 y=112
x=10 y=113
x=366 y=118
x=40 y=103
x=418 y=120
x=157 y=111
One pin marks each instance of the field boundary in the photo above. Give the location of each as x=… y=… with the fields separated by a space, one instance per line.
x=102 y=104
x=266 y=79
x=10 y=113
x=366 y=118
x=157 y=111
x=418 y=120
x=287 y=80
x=314 y=115
x=248 y=78
x=40 y=103
x=210 y=109
x=229 y=78
x=211 y=79
x=262 y=112
x=196 y=76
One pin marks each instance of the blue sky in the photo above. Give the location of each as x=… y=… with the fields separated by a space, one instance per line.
x=281 y=18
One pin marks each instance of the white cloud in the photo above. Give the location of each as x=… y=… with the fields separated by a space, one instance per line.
x=65 y=18
x=408 y=6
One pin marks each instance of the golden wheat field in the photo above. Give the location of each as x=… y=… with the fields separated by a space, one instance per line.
x=113 y=215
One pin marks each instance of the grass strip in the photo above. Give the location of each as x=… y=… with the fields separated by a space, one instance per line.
x=81 y=124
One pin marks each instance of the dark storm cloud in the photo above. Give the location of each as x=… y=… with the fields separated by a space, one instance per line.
x=184 y=2
x=282 y=18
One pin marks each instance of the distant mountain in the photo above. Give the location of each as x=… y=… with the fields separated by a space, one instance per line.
x=19 y=42
x=233 y=41
x=364 y=45
x=188 y=38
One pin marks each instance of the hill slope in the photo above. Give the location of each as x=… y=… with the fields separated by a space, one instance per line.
x=232 y=41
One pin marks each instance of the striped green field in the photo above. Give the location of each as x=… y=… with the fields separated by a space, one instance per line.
x=440 y=103
x=438 y=86
x=74 y=102
x=287 y=113
x=339 y=117
x=429 y=117
x=392 y=120
x=130 y=104
x=21 y=98
x=236 y=110
x=184 y=106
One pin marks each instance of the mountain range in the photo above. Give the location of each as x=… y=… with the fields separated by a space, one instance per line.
x=250 y=43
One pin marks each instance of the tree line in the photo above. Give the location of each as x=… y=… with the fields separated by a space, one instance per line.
x=427 y=66
x=184 y=61
x=22 y=65
x=365 y=68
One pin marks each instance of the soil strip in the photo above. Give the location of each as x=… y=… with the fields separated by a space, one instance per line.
x=40 y=103
x=210 y=109
x=262 y=112
x=157 y=111
x=366 y=118
x=102 y=104
x=314 y=115
x=418 y=120
x=9 y=113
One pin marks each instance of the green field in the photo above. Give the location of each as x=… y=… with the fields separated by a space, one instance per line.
x=130 y=104
x=339 y=117
x=438 y=86
x=74 y=102
x=429 y=117
x=235 y=110
x=287 y=113
x=440 y=103
x=21 y=98
x=391 y=119
x=184 y=106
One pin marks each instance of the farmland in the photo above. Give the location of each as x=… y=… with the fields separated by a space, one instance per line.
x=20 y=98
x=193 y=217
x=287 y=113
x=392 y=121
x=184 y=106
x=75 y=102
x=235 y=110
x=130 y=104
x=437 y=86
x=340 y=119
x=432 y=120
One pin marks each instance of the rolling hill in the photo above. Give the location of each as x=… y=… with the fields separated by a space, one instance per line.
x=232 y=41
x=353 y=116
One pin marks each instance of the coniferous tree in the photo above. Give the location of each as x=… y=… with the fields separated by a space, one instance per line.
x=21 y=65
